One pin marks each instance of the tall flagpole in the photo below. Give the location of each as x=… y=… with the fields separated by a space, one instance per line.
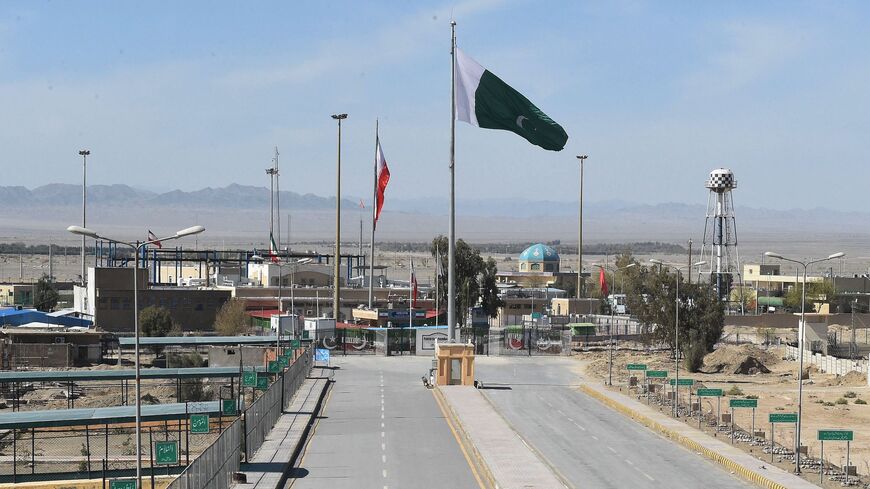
x=411 y=294
x=451 y=251
x=374 y=211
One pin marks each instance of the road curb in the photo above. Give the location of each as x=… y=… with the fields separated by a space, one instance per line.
x=453 y=419
x=720 y=459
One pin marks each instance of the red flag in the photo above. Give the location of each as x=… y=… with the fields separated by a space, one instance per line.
x=153 y=239
x=383 y=178
x=602 y=282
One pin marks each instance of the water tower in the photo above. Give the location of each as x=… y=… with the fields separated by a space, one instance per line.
x=720 y=233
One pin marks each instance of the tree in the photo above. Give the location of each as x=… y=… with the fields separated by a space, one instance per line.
x=44 y=294
x=475 y=278
x=702 y=315
x=817 y=292
x=155 y=321
x=232 y=318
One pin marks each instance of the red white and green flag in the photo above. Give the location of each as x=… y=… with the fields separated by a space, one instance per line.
x=273 y=249
x=383 y=178
x=484 y=100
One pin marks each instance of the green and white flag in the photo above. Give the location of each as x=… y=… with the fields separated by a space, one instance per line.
x=484 y=100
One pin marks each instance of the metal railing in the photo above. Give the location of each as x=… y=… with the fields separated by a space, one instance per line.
x=214 y=468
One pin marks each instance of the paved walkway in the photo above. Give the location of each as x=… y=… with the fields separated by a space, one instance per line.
x=268 y=468
x=732 y=458
x=511 y=462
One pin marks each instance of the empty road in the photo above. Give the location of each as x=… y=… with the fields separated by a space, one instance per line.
x=382 y=429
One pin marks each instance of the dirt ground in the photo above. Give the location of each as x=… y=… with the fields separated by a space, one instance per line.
x=829 y=400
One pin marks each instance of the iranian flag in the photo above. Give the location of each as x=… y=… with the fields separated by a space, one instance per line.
x=383 y=178
x=273 y=249
x=602 y=283
x=484 y=100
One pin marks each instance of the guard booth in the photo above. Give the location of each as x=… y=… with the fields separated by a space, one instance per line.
x=455 y=363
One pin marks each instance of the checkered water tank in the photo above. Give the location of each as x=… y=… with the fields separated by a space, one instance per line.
x=721 y=179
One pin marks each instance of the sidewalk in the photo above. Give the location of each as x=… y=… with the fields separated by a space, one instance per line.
x=269 y=467
x=508 y=460
x=732 y=458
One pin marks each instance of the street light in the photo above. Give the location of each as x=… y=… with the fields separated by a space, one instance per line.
x=84 y=154
x=85 y=232
x=801 y=334
x=336 y=285
x=581 y=159
x=677 y=328
x=610 y=326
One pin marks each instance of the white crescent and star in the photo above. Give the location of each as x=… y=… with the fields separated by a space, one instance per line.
x=520 y=121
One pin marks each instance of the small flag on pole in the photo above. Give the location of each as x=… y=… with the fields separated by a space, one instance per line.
x=413 y=286
x=602 y=282
x=273 y=249
x=153 y=239
x=361 y=204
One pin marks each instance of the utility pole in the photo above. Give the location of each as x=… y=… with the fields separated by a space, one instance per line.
x=84 y=154
x=689 y=275
x=580 y=282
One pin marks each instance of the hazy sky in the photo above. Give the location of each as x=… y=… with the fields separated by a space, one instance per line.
x=193 y=94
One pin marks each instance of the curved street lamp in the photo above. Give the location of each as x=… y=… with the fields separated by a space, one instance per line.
x=677 y=328
x=801 y=335
x=85 y=232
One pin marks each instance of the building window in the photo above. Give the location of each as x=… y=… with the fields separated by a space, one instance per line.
x=536 y=267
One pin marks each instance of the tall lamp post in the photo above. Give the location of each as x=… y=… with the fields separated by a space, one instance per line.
x=84 y=154
x=136 y=247
x=610 y=326
x=336 y=275
x=679 y=270
x=581 y=159
x=801 y=337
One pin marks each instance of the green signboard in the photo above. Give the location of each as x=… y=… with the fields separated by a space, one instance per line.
x=636 y=366
x=295 y=343
x=262 y=383
x=835 y=435
x=709 y=393
x=743 y=403
x=199 y=423
x=249 y=378
x=536 y=315
x=657 y=374
x=273 y=367
x=683 y=381
x=228 y=407
x=166 y=452
x=122 y=484
x=782 y=417
x=283 y=362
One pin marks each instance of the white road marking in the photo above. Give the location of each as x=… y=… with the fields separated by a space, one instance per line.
x=384 y=458
x=382 y=424
x=594 y=437
x=629 y=462
x=560 y=412
x=384 y=473
x=611 y=449
x=383 y=446
x=577 y=425
x=647 y=476
x=382 y=434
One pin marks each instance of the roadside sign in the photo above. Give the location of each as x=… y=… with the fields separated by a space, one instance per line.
x=782 y=417
x=536 y=315
x=683 y=381
x=636 y=366
x=228 y=407
x=273 y=367
x=166 y=452
x=743 y=403
x=294 y=343
x=199 y=423
x=249 y=378
x=321 y=355
x=262 y=383
x=657 y=374
x=709 y=393
x=122 y=484
x=835 y=435
x=283 y=362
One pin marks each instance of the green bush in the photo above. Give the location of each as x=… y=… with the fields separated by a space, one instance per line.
x=841 y=401
x=860 y=401
x=752 y=396
x=827 y=403
x=734 y=391
x=850 y=395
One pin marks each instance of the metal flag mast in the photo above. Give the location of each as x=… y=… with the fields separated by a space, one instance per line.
x=451 y=250
x=374 y=211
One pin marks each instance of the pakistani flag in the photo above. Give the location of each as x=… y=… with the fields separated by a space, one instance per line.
x=484 y=100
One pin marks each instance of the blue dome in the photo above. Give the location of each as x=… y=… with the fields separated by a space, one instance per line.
x=540 y=252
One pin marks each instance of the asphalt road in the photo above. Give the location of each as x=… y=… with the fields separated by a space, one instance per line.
x=382 y=429
x=588 y=444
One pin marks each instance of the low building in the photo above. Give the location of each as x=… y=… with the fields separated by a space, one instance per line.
x=53 y=347
x=770 y=278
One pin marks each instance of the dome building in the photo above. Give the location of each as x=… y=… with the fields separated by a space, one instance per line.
x=539 y=258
